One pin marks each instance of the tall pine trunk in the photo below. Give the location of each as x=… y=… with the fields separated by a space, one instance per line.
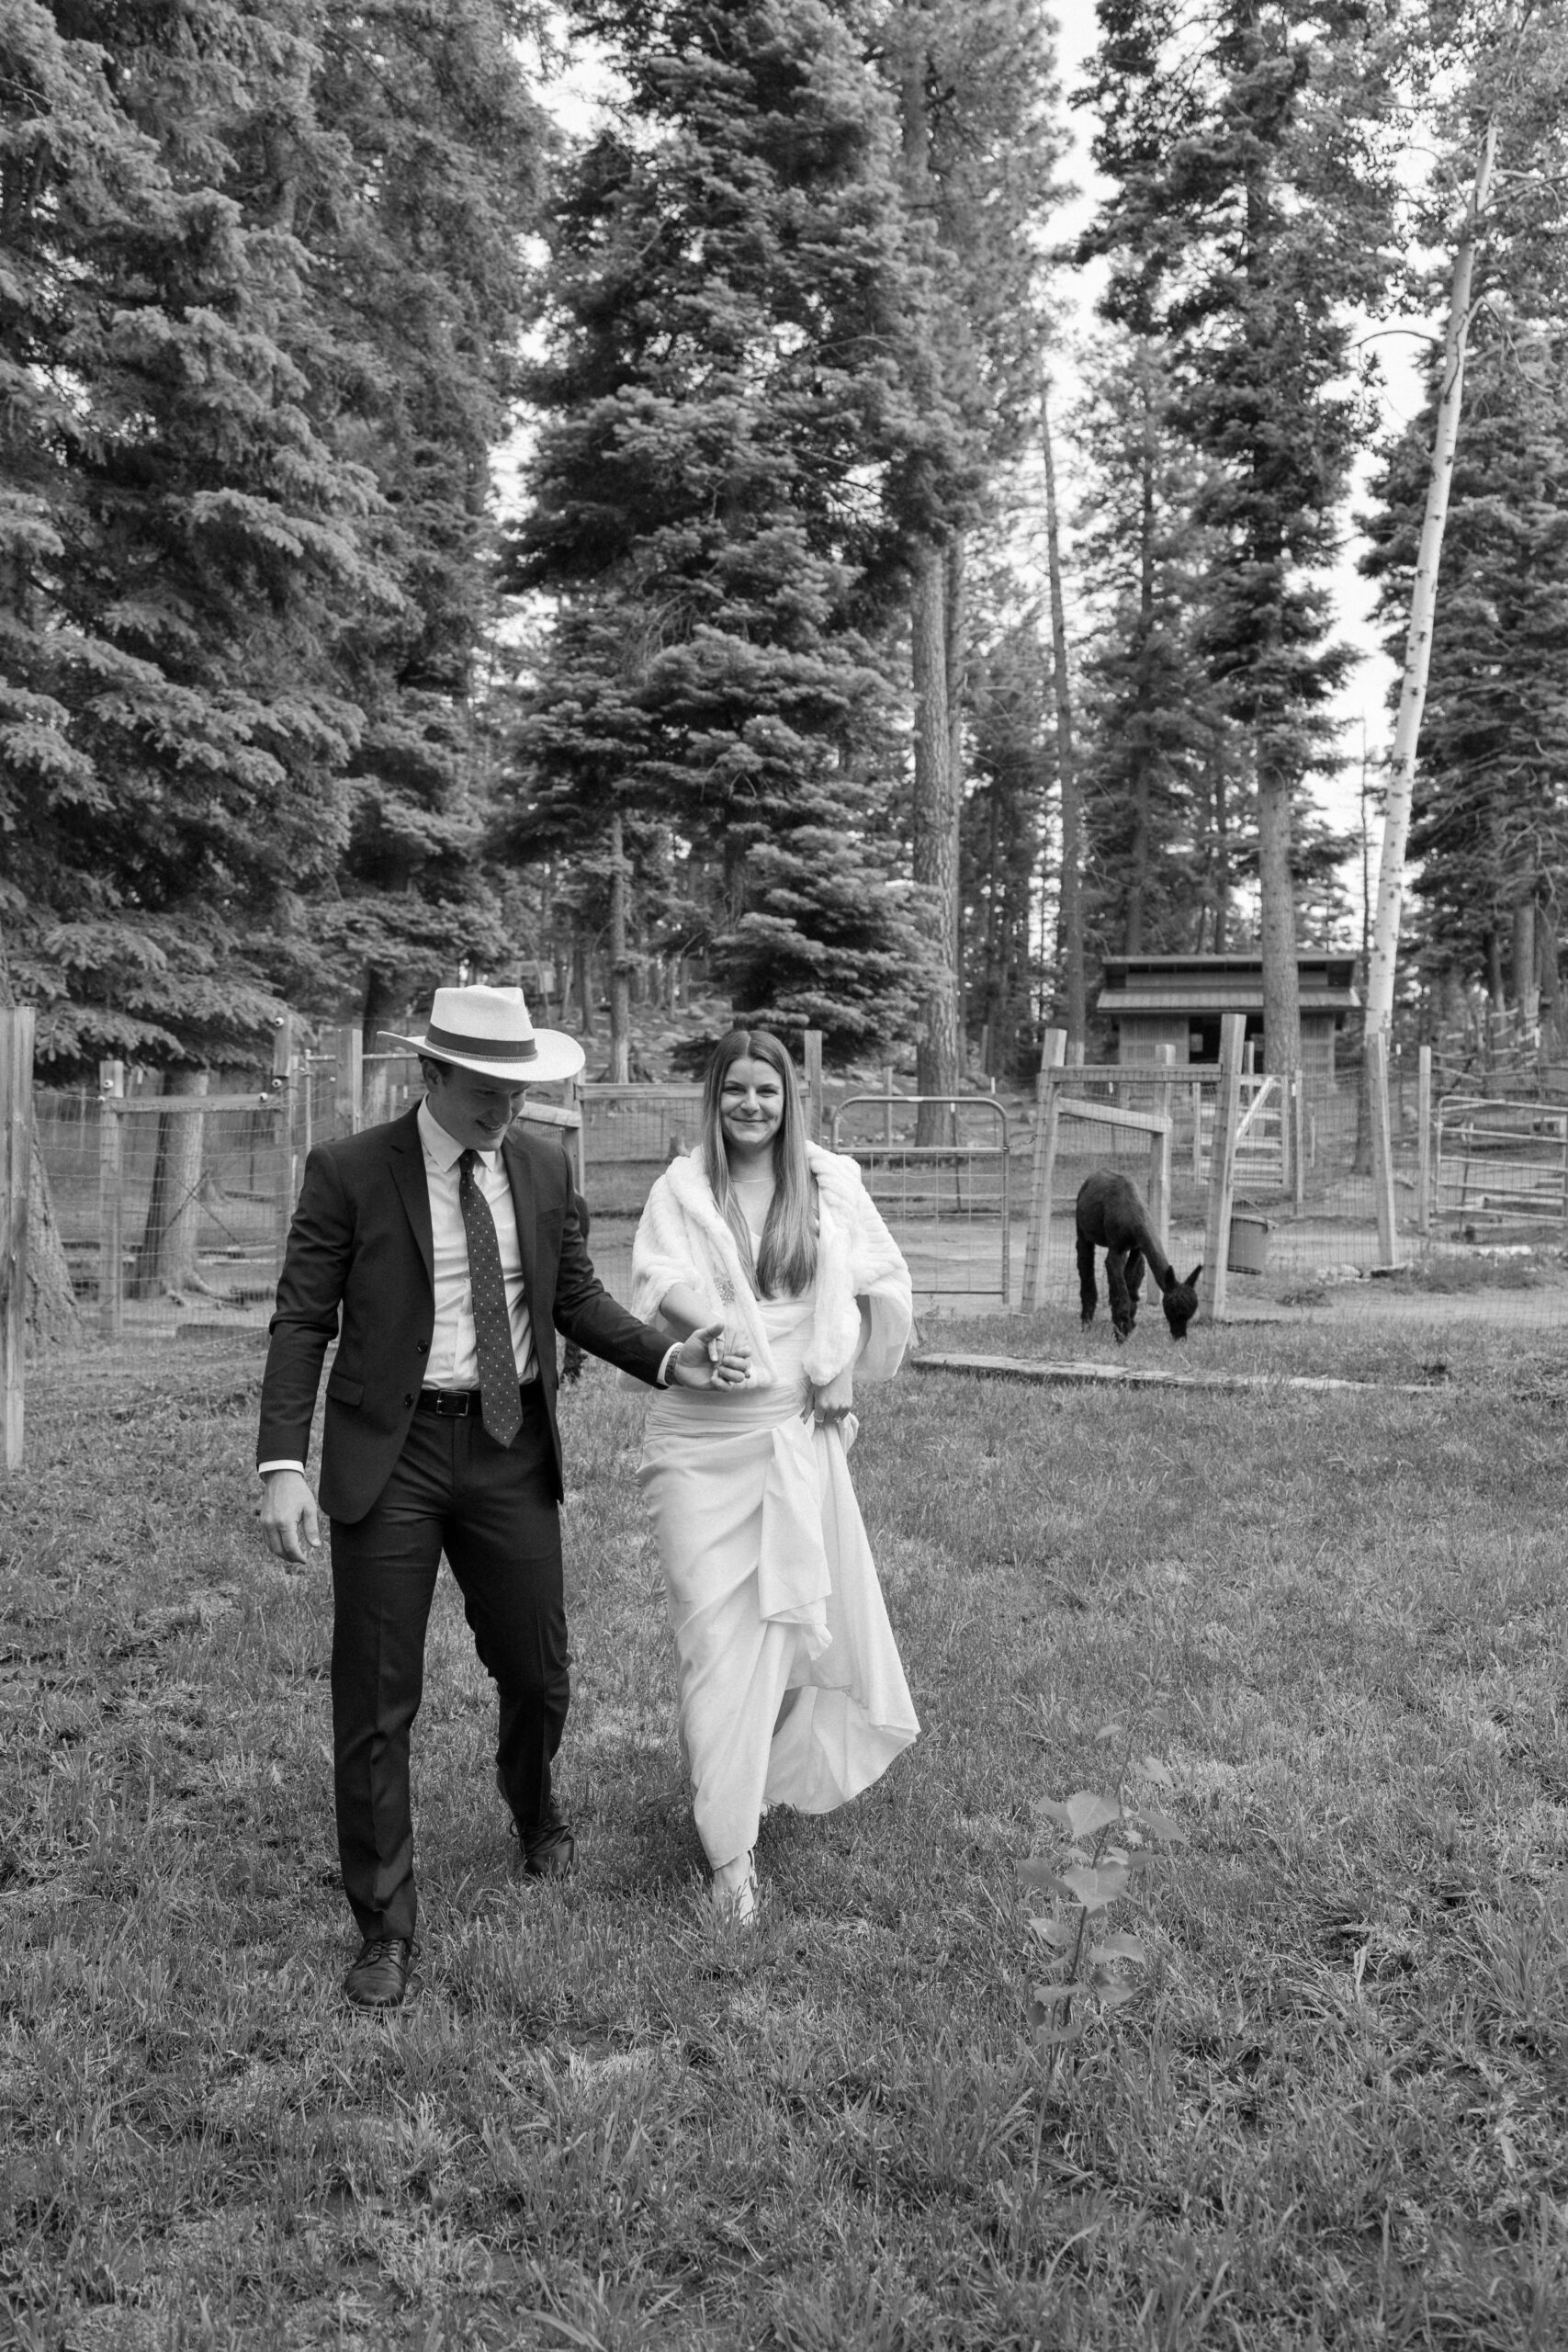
x=165 y=1257
x=383 y=1007
x=1138 y=864
x=620 y=960
x=1553 y=1040
x=1220 y=866
x=955 y=619
x=1526 y=986
x=938 y=1059
x=939 y=1066
x=582 y=981
x=1276 y=891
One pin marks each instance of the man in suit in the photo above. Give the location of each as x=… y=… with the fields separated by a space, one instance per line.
x=447 y=1243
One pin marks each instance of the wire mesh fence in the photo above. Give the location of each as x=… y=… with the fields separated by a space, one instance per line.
x=170 y=1208
x=628 y=1136
x=948 y=1203
x=1479 y=1189
x=173 y=1209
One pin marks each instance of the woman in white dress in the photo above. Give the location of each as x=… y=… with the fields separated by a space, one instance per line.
x=791 y=1688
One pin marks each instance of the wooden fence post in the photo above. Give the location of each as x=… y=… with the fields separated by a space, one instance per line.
x=1036 y=1247
x=348 y=1080
x=15 y=1161
x=813 y=1084
x=1221 y=1167
x=282 y=1095
x=1286 y=1091
x=1159 y=1157
x=111 y=1199
x=1424 y=1141
x=572 y=1098
x=1382 y=1145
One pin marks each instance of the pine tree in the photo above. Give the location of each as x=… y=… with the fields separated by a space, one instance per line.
x=1169 y=812
x=420 y=294
x=179 y=534
x=1249 y=221
x=980 y=140
x=728 y=448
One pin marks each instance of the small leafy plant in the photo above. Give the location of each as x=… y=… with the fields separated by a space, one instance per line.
x=1102 y=1853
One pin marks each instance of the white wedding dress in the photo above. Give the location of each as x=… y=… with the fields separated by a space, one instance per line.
x=771 y=1587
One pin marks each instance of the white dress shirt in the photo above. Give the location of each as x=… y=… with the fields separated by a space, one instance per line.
x=453 y=1361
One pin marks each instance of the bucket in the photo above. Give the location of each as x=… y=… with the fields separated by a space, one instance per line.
x=1249 y=1252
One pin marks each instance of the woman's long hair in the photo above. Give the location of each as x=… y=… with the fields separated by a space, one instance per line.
x=784 y=1264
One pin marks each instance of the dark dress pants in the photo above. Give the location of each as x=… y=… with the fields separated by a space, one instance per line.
x=492 y=1509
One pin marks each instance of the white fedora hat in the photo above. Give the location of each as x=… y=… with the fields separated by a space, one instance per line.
x=489 y=1030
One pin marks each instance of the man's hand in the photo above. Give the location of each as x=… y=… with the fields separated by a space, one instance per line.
x=708 y=1362
x=289 y=1515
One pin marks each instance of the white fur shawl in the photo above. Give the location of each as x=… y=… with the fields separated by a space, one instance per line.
x=683 y=1239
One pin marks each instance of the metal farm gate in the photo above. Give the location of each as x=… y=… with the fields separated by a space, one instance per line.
x=948 y=1205
x=1500 y=1165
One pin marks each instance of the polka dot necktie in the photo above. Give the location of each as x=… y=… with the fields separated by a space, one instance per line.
x=499 y=1407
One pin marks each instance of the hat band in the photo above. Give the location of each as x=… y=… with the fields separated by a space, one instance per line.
x=486 y=1049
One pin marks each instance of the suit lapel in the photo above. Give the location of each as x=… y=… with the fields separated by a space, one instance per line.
x=520 y=1176
x=408 y=1175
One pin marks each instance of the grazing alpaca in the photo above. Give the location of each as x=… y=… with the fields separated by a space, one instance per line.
x=1112 y=1216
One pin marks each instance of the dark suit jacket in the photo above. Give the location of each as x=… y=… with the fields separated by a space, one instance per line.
x=361 y=1243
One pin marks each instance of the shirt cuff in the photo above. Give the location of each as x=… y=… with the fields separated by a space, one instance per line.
x=263 y=1467
x=661 y=1378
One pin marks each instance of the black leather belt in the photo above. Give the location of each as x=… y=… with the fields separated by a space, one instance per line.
x=457 y=1404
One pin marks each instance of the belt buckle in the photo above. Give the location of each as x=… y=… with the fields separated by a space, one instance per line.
x=453 y=1404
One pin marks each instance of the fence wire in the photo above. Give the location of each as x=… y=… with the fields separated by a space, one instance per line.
x=162 y=1241
x=1481 y=1213
x=1489 y=1242
x=940 y=1170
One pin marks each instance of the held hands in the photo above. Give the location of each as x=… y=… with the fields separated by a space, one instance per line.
x=710 y=1361
x=289 y=1515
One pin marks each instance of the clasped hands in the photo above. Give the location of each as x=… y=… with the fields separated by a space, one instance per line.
x=711 y=1360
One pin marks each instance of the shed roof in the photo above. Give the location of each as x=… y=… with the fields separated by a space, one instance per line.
x=1324 y=959
x=1240 y=998
x=1175 y=984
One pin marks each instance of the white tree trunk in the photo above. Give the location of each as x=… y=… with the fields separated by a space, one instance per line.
x=1071 y=898
x=1423 y=608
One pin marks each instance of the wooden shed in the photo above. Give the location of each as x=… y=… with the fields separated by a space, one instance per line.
x=1155 y=1001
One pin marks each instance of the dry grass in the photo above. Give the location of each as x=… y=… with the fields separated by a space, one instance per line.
x=1334 y=2118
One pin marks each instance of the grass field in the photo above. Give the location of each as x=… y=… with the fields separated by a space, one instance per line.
x=1333 y=2115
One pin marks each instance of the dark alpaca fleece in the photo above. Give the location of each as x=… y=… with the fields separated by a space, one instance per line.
x=1111 y=1216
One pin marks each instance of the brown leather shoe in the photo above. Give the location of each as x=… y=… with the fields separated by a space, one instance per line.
x=549 y=1851
x=379 y=1977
